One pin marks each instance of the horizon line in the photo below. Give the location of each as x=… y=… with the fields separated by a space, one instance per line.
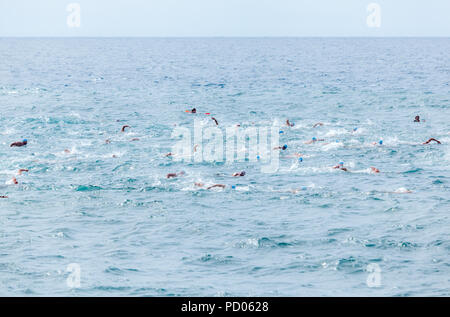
x=231 y=36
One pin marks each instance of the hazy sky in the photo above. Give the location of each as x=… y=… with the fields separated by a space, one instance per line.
x=225 y=18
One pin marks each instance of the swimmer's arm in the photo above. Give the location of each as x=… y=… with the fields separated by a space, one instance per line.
x=432 y=139
x=22 y=170
x=216 y=185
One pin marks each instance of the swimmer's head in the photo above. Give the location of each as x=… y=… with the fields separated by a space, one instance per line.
x=314 y=138
x=381 y=142
x=284 y=147
x=300 y=159
x=25 y=141
x=281 y=132
x=257 y=157
x=341 y=163
x=354 y=129
x=233 y=186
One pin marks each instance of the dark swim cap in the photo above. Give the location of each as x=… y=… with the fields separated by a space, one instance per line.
x=284 y=147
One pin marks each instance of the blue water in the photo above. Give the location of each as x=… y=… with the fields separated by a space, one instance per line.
x=306 y=230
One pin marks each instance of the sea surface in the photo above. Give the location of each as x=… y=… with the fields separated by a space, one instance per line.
x=307 y=229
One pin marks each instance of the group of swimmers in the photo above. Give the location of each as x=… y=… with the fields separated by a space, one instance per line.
x=299 y=156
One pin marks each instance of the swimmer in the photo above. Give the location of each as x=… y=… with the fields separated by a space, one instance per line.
x=318 y=124
x=432 y=139
x=195 y=148
x=341 y=167
x=173 y=175
x=217 y=123
x=107 y=141
x=192 y=111
x=134 y=139
x=124 y=127
x=284 y=147
x=417 y=119
x=238 y=174
x=314 y=140
x=21 y=171
x=289 y=124
x=13 y=181
x=1 y=197
x=67 y=151
x=169 y=154
x=379 y=142
x=209 y=187
x=19 y=144
x=374 y=170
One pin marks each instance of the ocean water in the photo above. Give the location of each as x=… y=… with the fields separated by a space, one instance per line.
x=305 y=230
